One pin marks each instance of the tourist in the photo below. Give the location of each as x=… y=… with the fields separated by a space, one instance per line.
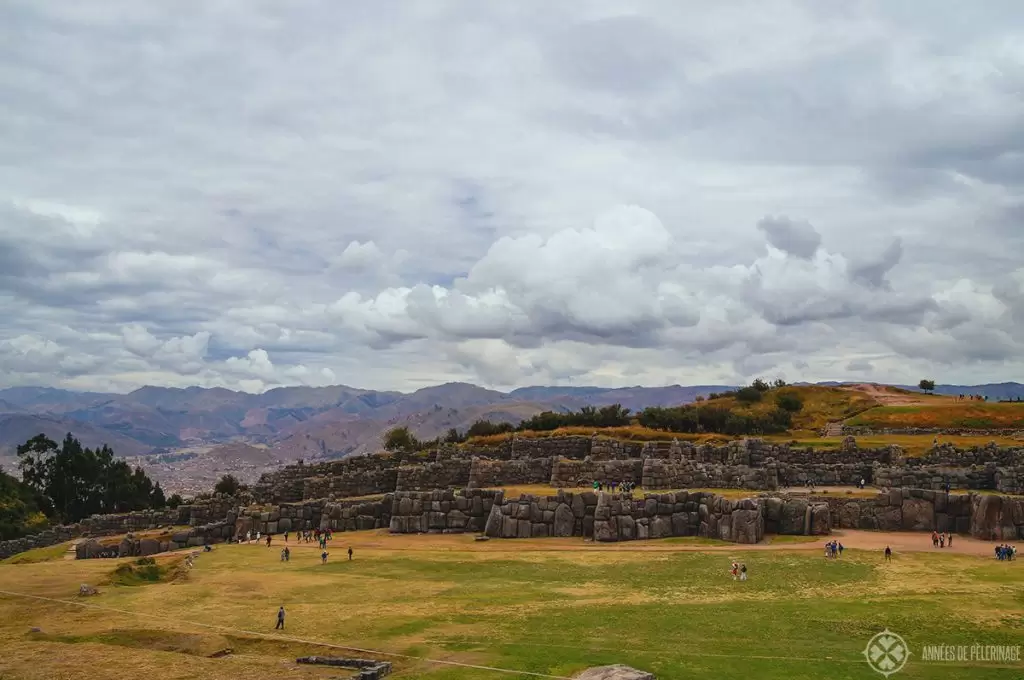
x=949 y=539
x=268 y=540
x=350 y=553
x=248 y=537
x=287 y=554
x=840 y=546
x=280 y=618
x=743 y=572
x=935 y=539
x=888 y=554
x=286 y=537
x=282 y=556
x=734 y=571
x=942 y=540
x=323 y=557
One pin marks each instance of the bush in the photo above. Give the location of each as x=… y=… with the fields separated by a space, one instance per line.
x=748 y=395
x=788 y=401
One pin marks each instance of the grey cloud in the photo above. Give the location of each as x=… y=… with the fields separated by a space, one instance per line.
x=222 y=173
x=798 y=238
x=873 y=272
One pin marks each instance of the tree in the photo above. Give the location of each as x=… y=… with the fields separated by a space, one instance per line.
x=760 y=385
x=19 y=510
x=174 y=501
x=927 y=386
x=400 y=439
x=71 y=482
x=228 y=485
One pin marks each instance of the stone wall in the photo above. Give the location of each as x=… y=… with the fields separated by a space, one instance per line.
x=996 y=518
x=686 y=474
x=620 y=518
x=288 y=484
x=484 y=473
x=441 y=511
x=576 y=473
x=44 y=539
x=443 y=474
x=901 y=510
x=936 y=477
x=356 y=515
x=356 y=483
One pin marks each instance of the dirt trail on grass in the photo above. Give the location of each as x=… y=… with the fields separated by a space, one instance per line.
x=886 y=396
x=448 y=544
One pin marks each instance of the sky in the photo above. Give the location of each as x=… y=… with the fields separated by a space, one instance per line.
x=389 y=195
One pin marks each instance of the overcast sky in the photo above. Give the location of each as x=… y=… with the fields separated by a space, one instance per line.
x=396 y=194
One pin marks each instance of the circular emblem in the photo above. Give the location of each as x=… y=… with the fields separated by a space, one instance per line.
x=887 y=653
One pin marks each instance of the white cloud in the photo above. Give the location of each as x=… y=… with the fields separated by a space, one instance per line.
x=509 y=193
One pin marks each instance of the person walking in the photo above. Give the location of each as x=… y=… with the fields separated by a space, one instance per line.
x=888 y=554
x=350 y=553
x=743 y=572
x=280 y=619
x=323 y=557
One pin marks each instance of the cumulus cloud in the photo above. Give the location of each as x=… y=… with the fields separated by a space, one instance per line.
x=797 y=238
x=508 y=195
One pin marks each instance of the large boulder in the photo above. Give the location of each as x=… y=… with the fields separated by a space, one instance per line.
x=747 y=526
x=821 y=520
x=791 y=519
x=564 y=521
x=918 y=514
x=149 y=546
x=616 y=672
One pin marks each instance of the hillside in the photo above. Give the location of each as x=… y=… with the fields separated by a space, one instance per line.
x=865 y=404
x=944 y=413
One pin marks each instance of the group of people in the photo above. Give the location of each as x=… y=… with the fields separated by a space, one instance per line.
x=1006 y=552
x=833 y=549
x=321 y=537
x=942 y=540
x=625 y=487
x=738 y=571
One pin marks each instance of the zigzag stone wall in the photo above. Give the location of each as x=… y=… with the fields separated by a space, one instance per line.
x=484 y=473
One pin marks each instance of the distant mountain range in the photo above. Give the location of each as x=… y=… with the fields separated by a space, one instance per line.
x=306 y=422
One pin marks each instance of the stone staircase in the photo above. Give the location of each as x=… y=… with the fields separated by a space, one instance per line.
x=833 y=430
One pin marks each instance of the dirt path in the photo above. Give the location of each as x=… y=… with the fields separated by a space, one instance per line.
x=454 y=543
x=886 y=396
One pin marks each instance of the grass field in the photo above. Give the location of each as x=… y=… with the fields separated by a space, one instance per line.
x=945 y=414
x=516 y=605
x=912 y=444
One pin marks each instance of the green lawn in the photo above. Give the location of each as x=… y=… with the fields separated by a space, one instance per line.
x=677 y=614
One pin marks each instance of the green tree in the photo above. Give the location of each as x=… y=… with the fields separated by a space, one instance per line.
x=927 y=386
x=19 y=511
x=72 y=482
x=228 y=485
x=174 y=501
x=400 y=439
x=760 y=385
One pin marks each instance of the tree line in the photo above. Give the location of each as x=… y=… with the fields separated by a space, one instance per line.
x=700 y=416
x=67 y=482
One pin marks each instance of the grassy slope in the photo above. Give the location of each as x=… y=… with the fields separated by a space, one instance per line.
x=850 y=405
x=675 y=614
x=821 y=405
x=945 y=414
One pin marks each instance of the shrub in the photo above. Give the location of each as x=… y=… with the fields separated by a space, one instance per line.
x=748 y=395
x=788 y=401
